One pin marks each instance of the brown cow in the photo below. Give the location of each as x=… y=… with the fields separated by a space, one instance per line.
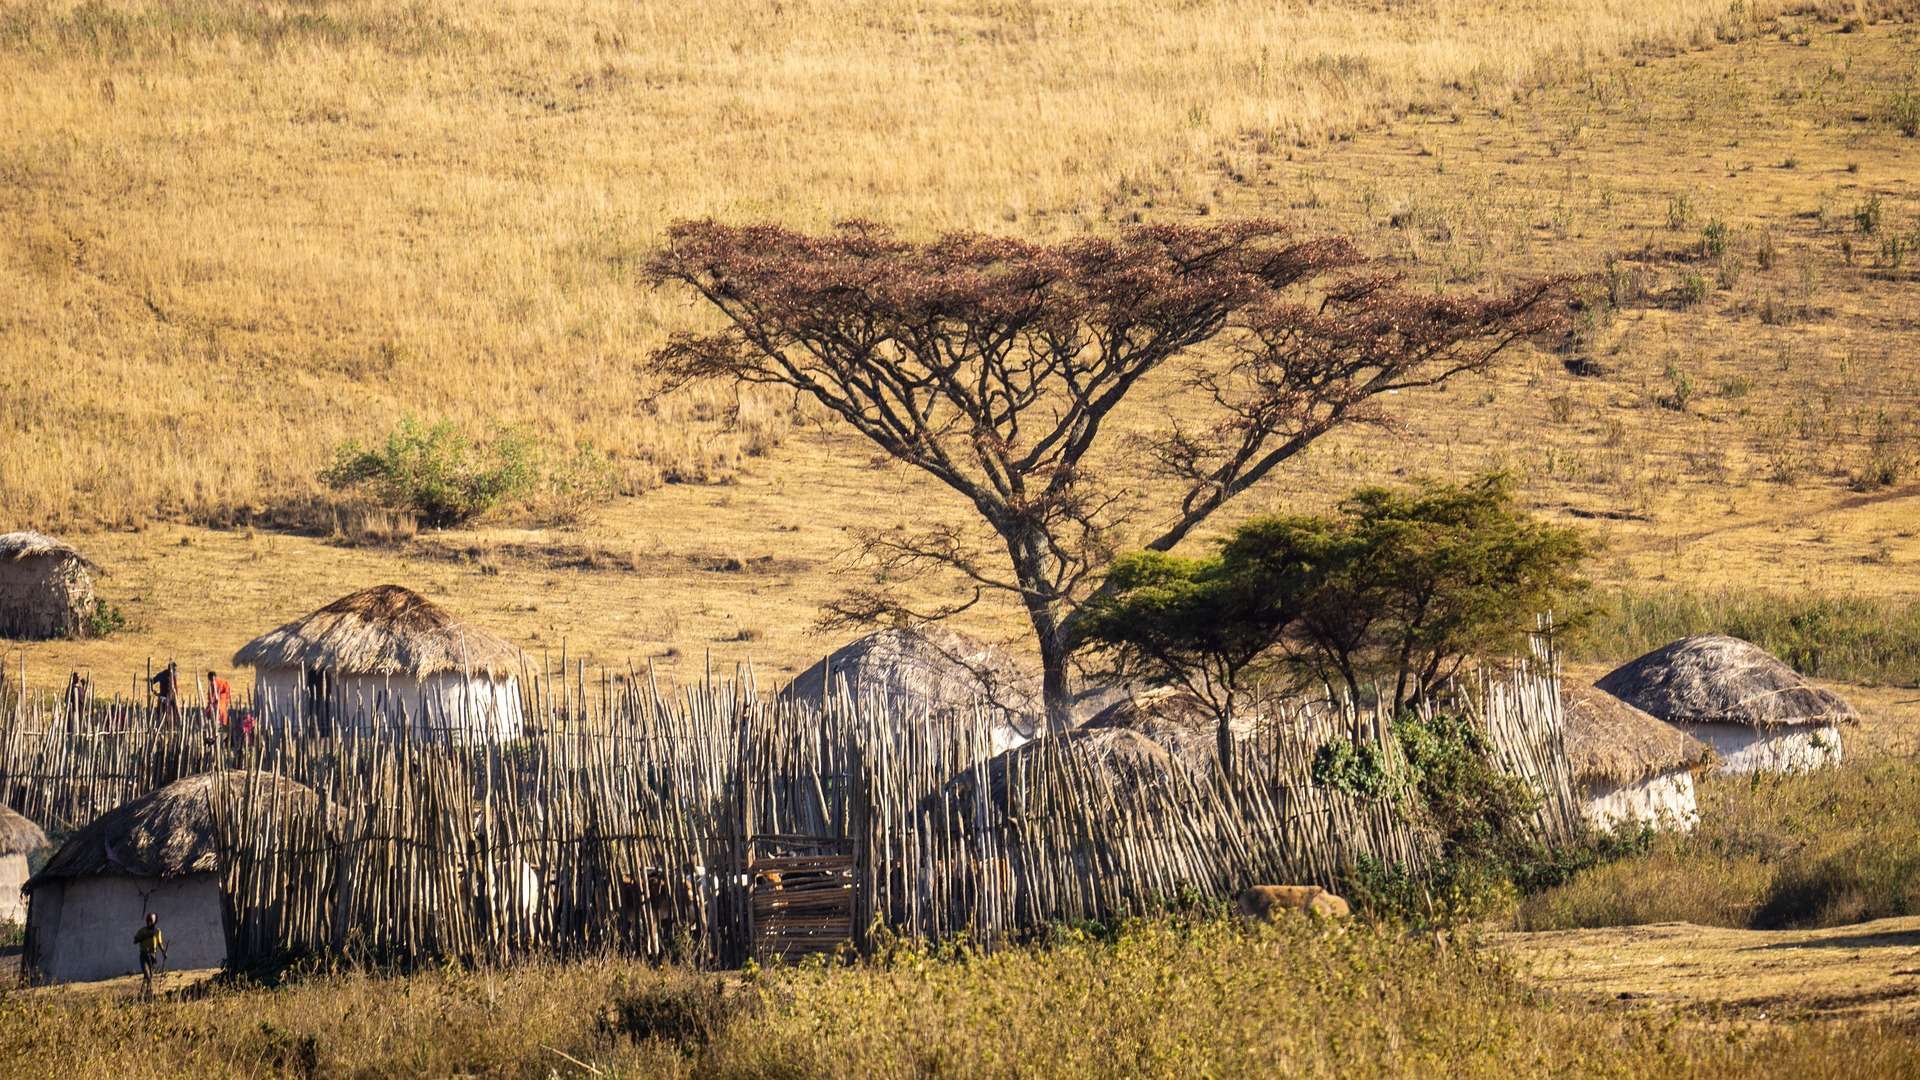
x=1268 y=901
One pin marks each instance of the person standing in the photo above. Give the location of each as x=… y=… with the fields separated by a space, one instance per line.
x=79 y=695
x=166 y=691
x=220 y=703
x=153 y=952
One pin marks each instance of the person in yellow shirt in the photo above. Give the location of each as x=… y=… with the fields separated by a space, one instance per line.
x=153 y=950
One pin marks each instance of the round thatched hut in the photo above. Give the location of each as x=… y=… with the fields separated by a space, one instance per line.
x=1629 y=768
x=19 y=838
x=933 y=669
x=1758 y=714
x=387 y=655
x=1175 y=719
x=158 y=853
x=46 y=587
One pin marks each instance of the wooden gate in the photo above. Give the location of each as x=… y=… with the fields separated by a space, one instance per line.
x=802 y=896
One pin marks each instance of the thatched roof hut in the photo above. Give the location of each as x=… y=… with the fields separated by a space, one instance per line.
x=159 y=853
x=46 y=587
x=1628 y=767
x=934 y=669
x=168 y=833
x=1610 y=742
x=385 y=630
x=1713 y=678
x=1127 y=759
x=19 y=838
x=386 y=652
x=1755 y=711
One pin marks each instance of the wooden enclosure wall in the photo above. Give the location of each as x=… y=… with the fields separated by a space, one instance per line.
x=659 y=823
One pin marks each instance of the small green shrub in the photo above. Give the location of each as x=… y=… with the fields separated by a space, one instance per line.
x=446 y=477
x=1692 y=289
x=1714 y=238
x=1679 y=392
x=104 y=619
x=1479 y=815
x=1359 y=769
x=1868 y=215
x=435 y=470
x=1903 y=112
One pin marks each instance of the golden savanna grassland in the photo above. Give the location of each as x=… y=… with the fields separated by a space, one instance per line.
x=232 y=235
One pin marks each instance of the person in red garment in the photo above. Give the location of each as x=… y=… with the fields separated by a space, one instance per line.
x=220 y=702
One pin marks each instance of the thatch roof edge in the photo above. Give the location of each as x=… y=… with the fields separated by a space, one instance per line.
x=28 y=544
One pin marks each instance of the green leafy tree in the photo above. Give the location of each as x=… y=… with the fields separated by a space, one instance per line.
x=1195 y=623
x=1445 y=573
x=1399 y=588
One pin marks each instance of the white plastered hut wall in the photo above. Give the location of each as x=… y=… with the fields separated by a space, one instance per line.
x=82 y=928
x=13 y=874
x=1744 y=748
x=446 y=703
x=1665 y=801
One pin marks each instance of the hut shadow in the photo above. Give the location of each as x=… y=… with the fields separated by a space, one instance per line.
x=1886 y=939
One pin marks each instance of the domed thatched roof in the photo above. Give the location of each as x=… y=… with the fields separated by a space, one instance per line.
x=1173 y=718
x=933 y=668
x=1127 y=757
x=1610 y=741
x=164 y=834
x=385 y=630
x=18 y=836
x=1712 y=678
x=27 y=544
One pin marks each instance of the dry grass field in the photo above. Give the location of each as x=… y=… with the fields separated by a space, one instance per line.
x=240 y=232
x=238 y=235
x=1164 y=999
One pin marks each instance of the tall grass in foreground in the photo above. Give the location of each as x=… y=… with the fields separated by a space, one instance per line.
x=1823 y=849
x=1168 y=998
x=1853 y=639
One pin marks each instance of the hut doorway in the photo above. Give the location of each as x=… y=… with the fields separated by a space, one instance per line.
x=319 y=700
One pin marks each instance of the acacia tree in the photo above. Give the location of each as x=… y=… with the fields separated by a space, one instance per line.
x=995 y=365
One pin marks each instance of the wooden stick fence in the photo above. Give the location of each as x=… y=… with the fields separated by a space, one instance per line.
x=714 y=824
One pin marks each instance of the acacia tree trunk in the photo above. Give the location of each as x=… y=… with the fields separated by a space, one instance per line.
x=1032 y=568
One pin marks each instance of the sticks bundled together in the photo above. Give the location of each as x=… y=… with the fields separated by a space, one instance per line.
x=716 y=823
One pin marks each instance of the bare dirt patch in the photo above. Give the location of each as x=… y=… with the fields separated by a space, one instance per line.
x=1867 y=970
